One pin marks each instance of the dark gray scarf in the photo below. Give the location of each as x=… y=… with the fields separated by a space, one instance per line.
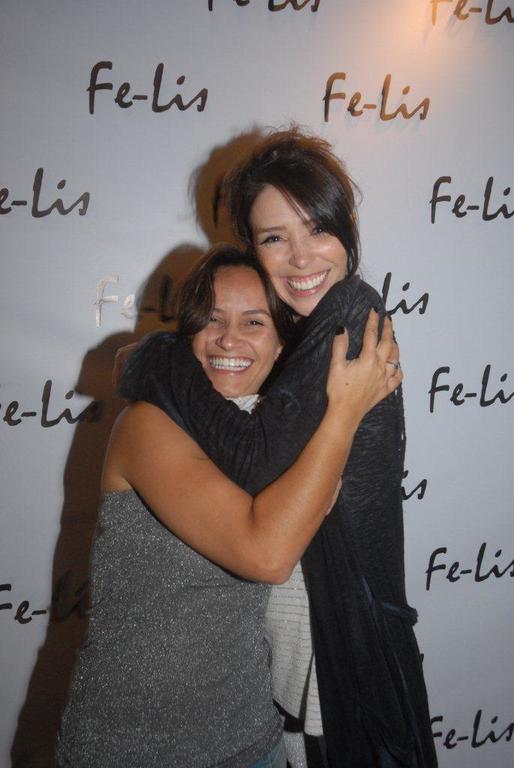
x=373 y=699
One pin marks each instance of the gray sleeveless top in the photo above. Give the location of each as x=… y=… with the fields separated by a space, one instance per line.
x=174 y=670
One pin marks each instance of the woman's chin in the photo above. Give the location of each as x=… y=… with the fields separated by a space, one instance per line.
x=227 y=385
x=235 y=392
x=304 y=305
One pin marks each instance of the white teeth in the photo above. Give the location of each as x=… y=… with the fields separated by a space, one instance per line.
x=307 y=285
x=230 y=363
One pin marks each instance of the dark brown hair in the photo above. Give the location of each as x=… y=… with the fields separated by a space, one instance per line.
x=196 y=298
x=307 y=172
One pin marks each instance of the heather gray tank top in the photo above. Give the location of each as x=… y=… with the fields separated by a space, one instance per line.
x=174 y=670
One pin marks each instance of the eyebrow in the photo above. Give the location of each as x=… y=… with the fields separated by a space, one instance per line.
x=280 y=228
x=247 y=311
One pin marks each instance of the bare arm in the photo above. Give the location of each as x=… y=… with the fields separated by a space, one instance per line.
x=259 y=538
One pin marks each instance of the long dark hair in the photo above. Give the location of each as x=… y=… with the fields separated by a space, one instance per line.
x=196 y=298
x=307 y=172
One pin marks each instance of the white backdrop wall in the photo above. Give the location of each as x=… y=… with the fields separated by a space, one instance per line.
x=94 y=206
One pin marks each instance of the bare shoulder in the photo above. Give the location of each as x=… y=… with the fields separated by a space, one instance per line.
x=142 y=417
x=144 y=436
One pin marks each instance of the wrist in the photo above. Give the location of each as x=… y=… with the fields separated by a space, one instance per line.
x=343 y=419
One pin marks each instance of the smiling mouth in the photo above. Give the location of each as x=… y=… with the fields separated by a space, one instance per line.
x=230 y=364
x=307 y=283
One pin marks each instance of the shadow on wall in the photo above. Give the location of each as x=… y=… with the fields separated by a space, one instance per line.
x=34 y=742
x=206 y=185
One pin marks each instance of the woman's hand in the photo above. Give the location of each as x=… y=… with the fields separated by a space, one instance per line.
x=361 y=383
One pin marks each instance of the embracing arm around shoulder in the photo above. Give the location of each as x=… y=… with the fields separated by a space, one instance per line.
x=258 y=538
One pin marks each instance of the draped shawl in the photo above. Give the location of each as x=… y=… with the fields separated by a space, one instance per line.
x=372 y=693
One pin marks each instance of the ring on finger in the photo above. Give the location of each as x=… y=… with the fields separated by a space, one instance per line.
x=396 y=366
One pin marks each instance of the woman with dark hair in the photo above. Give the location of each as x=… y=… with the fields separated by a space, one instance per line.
x=174 y=669
x=315 y=183
x=293 y=203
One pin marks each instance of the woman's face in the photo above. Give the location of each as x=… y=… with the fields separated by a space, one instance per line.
x=302 y=260
x=239 y=345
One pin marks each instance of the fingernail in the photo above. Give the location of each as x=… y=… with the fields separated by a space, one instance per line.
x=340 y=330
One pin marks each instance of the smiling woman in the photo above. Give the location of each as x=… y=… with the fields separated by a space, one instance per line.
x=238 y=346
x=294 y=203
x=301 y=258
x=237 y=324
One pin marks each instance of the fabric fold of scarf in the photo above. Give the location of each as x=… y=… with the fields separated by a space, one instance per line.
x=372 y=693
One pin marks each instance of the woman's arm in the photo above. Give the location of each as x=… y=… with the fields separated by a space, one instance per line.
x=259 y=538
x=252 y=449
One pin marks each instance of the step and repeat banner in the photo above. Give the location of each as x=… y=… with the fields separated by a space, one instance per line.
x=118 y=121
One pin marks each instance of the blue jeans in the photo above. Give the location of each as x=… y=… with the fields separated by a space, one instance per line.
x=275 y=759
